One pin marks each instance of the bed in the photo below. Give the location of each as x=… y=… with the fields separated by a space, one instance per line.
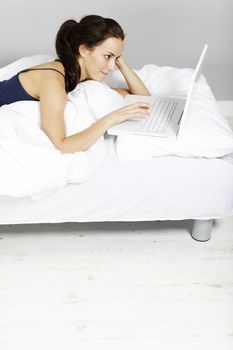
x=165 y=185
x=199 y=189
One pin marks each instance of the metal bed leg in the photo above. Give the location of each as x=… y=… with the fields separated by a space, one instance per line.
x=202 y=230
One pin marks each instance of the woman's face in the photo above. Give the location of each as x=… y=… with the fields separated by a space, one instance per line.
x=97 y=63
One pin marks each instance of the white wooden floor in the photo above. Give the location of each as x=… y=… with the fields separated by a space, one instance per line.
x=116 y=286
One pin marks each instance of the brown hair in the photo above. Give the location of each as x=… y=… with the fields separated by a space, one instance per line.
x=91 y=31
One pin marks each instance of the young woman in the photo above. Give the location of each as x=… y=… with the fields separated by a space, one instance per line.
x=86 y=50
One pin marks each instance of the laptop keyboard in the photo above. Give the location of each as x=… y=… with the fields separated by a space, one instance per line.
x=160 y=116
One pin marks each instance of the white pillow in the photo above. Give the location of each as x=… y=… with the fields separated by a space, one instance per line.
x=206 y=131
x=23 y=63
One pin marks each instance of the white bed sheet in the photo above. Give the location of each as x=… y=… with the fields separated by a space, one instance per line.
x=162 y=188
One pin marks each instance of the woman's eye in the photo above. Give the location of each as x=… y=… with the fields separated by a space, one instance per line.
x=107 y=57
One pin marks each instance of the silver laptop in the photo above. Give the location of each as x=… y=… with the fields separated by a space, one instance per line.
x=166 y=116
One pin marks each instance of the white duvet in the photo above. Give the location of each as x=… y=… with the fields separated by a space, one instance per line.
x=31 y=166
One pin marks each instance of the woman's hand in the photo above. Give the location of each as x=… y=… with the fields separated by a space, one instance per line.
x=119 y=61
x=135 y=84
x=138 y=110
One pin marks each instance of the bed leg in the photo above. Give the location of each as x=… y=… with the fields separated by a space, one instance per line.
x=202 y=230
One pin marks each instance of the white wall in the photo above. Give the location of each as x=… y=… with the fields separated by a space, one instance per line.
x=163 y=32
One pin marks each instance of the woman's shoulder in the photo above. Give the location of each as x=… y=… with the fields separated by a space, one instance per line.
x=53 y=65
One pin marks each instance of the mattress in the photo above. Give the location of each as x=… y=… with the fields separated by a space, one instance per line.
x=161 y=188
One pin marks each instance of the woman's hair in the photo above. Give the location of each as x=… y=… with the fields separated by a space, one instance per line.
x=91 y=31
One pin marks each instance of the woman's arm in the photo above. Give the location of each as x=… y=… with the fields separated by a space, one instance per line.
x=53 y=100
x=135 y=84
x=122 y=92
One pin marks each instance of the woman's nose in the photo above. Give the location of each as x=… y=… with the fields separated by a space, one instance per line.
x=111 y=65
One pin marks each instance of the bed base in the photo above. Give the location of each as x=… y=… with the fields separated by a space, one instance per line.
x=201 y=230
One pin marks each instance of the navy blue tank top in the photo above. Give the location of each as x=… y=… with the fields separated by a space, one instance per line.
x=11 y=90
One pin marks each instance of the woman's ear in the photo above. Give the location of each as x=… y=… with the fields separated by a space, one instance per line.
x=83 y=50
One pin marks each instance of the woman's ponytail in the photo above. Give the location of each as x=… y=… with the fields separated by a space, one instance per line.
x=67 y=44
